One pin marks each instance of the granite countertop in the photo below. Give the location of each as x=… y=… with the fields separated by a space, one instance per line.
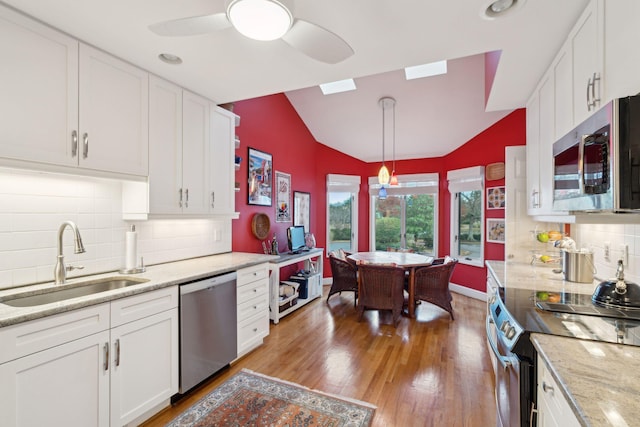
x=599 y=380
x=158 y=276
x=537 y=277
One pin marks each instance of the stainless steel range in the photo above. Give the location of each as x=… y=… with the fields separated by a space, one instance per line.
x=513 y=314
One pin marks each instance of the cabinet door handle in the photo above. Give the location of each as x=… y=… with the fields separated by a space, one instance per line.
x=117 y=361
x=74 y=143
x=186 y=203
x=588 y=97
x=106 y=356
x=547 y=388
x=213 y=198
x=85 y=145
x=180 y=193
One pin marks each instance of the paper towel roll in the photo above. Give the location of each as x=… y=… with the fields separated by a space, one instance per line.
x=131 y=249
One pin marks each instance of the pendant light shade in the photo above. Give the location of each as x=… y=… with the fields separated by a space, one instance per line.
x=382 y=194
x=383 y=175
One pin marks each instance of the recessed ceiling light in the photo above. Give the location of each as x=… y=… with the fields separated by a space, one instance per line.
x=337 y=87
x=170 y=59
x=499 y=8
x=425 y=70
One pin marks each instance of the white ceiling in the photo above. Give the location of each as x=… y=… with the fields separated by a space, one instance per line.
x=433 y=116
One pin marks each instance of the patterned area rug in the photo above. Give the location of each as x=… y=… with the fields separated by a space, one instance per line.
x=252 y=399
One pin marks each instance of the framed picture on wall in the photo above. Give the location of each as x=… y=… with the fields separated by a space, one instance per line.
x=260 y=166
x=301 y=208
x=283 y=197
x=496 y=198
x=495 y=230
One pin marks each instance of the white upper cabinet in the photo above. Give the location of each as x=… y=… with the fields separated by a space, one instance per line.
x=221 y=176
x=195 y=153
x=622 y=58
x=39 y=87
x=114 y=114
x=165 y=146
x=563 y=93
x=533 y=156
x=587 y=42
x=67 y=104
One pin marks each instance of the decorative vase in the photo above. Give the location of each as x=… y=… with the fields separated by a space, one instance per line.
x=310 y=240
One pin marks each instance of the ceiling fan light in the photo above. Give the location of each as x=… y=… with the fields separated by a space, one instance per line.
x=260 y=19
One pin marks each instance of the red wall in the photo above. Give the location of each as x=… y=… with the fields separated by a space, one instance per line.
x=272 y=125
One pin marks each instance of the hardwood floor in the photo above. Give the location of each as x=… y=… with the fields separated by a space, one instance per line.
x=429 y=371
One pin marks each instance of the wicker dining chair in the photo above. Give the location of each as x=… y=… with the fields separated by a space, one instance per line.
x=431 y=284
x=381 y=288
x=345 y=277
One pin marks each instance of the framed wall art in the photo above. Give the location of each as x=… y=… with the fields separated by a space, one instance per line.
x=283 y=197
x=301 y=208
x=496 y=198
x=260 y=166
x=495 y=230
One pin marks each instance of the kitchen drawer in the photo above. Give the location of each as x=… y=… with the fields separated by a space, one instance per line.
x=126 y=310
x=252 y=274
x=252 y=290
x=37 y=335
x=252 y=331
x=258 y=305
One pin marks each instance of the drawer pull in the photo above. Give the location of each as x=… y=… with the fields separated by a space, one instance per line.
x=547 y=388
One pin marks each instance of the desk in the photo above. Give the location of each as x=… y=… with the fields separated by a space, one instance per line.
x=315 y=281
x=406 y=260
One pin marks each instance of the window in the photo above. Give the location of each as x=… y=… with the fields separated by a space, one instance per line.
x=467 y=215
x=342 y=212
x=407 y=219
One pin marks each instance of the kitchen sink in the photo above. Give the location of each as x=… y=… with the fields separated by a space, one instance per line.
x=30 y=299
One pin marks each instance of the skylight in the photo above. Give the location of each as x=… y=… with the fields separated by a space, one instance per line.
x=426 y=70
x=337 y=87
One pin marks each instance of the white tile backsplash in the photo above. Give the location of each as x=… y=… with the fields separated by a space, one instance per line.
x=594 y=236
x=33 y=205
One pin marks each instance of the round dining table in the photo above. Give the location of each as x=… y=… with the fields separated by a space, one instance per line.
x=407 y=260
x=401 y=259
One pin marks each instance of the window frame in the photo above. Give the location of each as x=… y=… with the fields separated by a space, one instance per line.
x=337 y=183
x=463 y=180
x=409 y=184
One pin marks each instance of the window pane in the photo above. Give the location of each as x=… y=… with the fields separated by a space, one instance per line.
x=469 y=224
x=419 y=223
x=340 y=221
x=387 y=225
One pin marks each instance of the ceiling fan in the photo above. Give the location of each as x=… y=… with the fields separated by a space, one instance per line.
x=264 y=20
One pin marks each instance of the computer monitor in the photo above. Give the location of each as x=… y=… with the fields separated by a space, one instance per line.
x=295 y=238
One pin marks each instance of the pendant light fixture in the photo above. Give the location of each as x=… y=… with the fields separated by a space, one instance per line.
x=394 y=178
x=383 y=174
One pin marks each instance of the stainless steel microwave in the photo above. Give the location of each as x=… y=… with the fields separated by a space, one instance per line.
x=596 y=166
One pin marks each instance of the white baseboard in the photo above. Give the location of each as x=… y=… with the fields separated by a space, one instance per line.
x=471 y=293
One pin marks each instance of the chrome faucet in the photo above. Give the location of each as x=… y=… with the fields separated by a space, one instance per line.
x=60 y=270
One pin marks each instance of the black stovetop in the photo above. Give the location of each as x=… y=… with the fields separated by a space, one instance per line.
x=571 y=315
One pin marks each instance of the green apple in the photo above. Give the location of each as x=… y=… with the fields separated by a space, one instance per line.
x=543 y=237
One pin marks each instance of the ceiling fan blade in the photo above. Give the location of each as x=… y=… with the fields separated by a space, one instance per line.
x=317 y=42
x=193 y=26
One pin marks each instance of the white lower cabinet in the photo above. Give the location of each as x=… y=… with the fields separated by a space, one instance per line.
x=253 y=307
x=51 y=376
x=553 y=408
x=65 y=385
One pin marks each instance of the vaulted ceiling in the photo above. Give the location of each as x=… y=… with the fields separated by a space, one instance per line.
x=433 y=115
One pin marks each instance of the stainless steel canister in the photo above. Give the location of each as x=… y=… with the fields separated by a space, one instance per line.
x=577 y=266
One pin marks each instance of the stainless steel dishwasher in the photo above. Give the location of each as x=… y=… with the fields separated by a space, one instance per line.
x=208 y=328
